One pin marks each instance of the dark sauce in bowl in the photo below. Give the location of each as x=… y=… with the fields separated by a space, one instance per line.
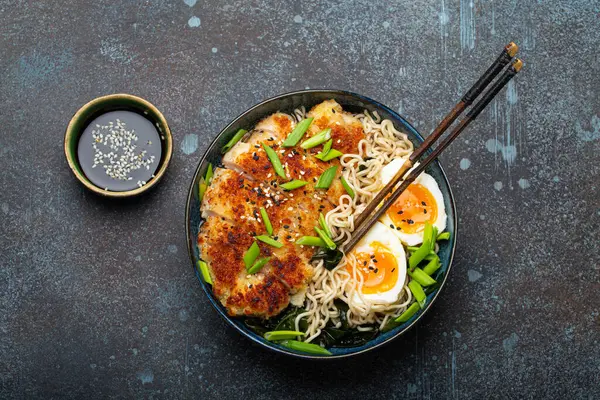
x=119 y=150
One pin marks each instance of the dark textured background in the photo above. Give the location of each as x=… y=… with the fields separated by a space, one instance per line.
x=98 y=298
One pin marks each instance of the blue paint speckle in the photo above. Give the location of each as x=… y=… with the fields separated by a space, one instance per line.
x=189 y=144
x=145 y=376
x=298 y=19
x=556 y=179
x=473 y=275
x=588 y=136
x=214 y=50
x=172 y=248
x=190 y=3
x=498 y=185
x=524 y=183
x=194 y=22
x=510 y=343
x=465 y=163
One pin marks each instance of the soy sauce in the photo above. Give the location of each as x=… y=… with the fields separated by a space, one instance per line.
x=119 y=150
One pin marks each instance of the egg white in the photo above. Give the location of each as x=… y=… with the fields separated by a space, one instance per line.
x=426 y=180
x=384 y=235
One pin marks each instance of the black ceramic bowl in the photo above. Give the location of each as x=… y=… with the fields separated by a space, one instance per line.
x=287 y=103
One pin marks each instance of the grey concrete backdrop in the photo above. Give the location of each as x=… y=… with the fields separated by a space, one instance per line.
x=98 y=299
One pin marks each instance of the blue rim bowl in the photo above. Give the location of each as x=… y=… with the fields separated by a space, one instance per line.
x=287 y=103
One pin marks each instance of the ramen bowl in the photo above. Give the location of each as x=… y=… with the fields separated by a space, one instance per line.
x=351 y=102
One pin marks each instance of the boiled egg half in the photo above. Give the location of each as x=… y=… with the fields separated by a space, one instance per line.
x=421 y=202
x=381 y=261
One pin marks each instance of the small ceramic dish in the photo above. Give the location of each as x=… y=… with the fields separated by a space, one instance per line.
x=354 y=103
x=117 y=102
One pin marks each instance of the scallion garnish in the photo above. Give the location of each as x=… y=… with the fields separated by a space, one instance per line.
x=432 y=266
x=346 y=186
x=318 y=139
x=328 y=242
x=422 y=252
x=406 y=315
x=294 y=137
x=418 y=293
x=434 y=234
x=275 y=161
x=444 y=236
x=282 y=335
x=251 y=255
x=201 y=189
x=420 y=276
x=209 y=174
x=326 y=178
x=269 y=241
x=305 y=347
x=311 y=241
x=323 y=224
x=295 y=184
x=402 y=318
x=258 y=265
x=203 y=268
x=327 y=146
x=331 y=154
x=266 y=220
x=236 y=138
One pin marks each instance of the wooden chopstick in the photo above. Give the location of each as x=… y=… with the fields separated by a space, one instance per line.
x=503 y=59
x=372 y=217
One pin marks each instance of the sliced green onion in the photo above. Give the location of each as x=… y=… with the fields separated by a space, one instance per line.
x=327 y=147
x=418 y=293
x=258 y=265
x=318 y=139
x=331 y=154
x=269 y=241
x=323 y=224
x=266 y=220
x=406 y=315
x=346 y=186
x=236 y=138
x=201 y=189
x=330 y=244
x=419 y=255
x=209 y=174
x=427 y=234
x=412 y=249
x=282 y=335
x=432 y=266
x=203 y=268
x=251 y=255
x=444 y=236
x=420 y=276
x=305 y=347
x=326 y=178
x=311 y=241
x=294 y=137
x=295 y=184
x=275 y=161
x=433 y=238
x=431 y=256
x=402 y=318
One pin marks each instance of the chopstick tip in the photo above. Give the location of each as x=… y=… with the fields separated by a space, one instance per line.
x=512 y=49
x=517 y=64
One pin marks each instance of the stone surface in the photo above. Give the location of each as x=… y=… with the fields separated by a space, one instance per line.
x=98 y=298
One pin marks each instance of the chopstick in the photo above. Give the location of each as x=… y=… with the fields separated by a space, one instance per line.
x=471 y=115
x=503 y=59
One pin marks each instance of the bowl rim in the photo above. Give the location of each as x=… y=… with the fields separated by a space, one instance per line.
x=167 y=146
x=208 y=290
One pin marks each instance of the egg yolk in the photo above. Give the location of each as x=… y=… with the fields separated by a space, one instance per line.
x=415 y=206
x=378 y=268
